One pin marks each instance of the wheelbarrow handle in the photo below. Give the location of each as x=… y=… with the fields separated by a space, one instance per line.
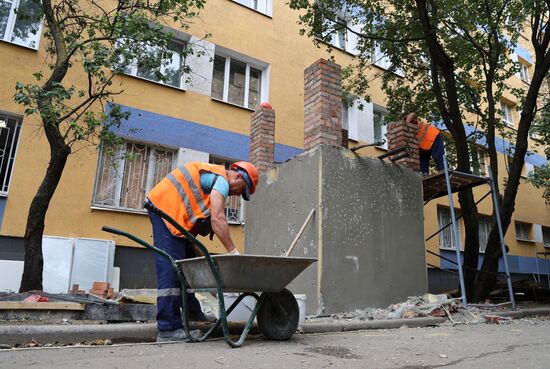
x=138 y=240
x=152 y=208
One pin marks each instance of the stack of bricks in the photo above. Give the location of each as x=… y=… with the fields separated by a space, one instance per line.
x=102 y=289
x=262 y=138
x=322 y=104
x=401 y=134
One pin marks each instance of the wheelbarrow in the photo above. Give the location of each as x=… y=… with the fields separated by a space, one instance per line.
x=262 y=277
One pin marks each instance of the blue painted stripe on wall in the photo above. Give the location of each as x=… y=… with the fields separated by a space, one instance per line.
x=517 y=264
x=168 y=131
x=3 y=201
x=504 y=147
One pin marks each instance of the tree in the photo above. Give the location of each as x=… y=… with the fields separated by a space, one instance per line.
x=97 y=40
x=450 y=61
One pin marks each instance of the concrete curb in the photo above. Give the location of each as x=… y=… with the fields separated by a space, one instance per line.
x=16 y=334
x=370 y=324
x=518 y=314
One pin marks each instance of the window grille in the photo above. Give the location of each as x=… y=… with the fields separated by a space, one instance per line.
x=234 y=205
x=446 y=237
x=125 y=175
x=9 y=138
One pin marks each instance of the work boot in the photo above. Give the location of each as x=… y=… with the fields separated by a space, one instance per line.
x=177 y=335
x=199 y=316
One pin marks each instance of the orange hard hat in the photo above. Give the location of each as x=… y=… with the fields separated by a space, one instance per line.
x=252 y=176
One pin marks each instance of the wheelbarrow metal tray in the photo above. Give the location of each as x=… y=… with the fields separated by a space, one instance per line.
x=244 y=273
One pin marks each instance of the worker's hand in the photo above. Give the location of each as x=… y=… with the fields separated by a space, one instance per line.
x=234 y=252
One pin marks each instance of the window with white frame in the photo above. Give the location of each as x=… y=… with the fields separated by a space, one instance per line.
x=478 y=158
x=507 y=114
x=380 y=128
x=237 y=82
x=524 y=72
x=485 y=225
x=523 y=231
x=546 y=236
x=262 y=6
x=446 y=236
x=234 y=205
x=168 y=71
x=127 y=173
x=21 y=22
x=9 y=139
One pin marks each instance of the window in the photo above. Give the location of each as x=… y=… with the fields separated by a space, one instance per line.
x=485 y=224
x=9 y=138
x=478 y=164
x=125 y=175
x=234 y=205
x=380 y=128
x=169 y=71
x=262 y=6
x=21 y=22
x=507 y=115
x=546 y=236
x=524 y=72
x=236 y=82
x=446 y=236
x=523 y=231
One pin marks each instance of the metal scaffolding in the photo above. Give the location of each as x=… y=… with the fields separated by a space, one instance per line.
x=449 y=181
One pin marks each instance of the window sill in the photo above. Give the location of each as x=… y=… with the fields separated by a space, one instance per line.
x=154 y=82
x=118 y=210
x=19 y=45
x=228 y=103
x=523 y=240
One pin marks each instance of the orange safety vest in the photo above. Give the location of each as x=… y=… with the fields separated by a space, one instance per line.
x=426 y=134
x=180 y=195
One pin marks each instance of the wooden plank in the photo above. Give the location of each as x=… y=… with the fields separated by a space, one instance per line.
x=21 y=305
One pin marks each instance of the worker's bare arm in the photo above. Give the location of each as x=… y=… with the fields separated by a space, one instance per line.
x=219 y=223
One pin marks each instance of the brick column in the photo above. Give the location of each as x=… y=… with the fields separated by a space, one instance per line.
x=322 y=104
x=400 y=134
x=262 y=138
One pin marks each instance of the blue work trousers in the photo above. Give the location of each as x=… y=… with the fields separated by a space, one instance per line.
x=436 y=152
x=169 y=289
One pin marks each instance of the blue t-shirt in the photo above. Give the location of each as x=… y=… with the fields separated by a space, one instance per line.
x=221 y=185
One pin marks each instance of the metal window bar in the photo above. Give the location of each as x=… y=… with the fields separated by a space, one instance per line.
x=9 y=139
x=123 y=183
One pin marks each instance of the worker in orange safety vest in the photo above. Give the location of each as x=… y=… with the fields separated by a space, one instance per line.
x=430 y=142
x=194 y=195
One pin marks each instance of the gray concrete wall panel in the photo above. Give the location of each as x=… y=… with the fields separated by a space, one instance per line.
x=283 y=199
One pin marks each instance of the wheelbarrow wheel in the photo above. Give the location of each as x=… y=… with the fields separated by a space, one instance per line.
x=278 y=315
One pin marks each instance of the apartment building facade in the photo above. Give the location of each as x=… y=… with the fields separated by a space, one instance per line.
x=254 y=54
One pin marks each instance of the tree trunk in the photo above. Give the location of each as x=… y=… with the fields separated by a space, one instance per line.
x=32 y=271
